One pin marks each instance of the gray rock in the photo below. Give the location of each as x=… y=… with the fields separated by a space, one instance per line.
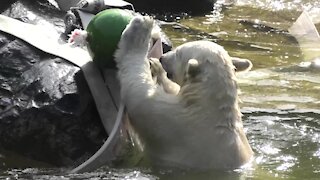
x=46 y=110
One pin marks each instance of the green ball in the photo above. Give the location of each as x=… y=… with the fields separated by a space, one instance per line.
x=104 y=33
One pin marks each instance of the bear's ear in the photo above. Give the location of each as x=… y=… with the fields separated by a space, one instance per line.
x=241 y=64
x=193 y=68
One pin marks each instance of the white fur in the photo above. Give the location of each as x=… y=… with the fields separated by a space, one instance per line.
x=198 y=126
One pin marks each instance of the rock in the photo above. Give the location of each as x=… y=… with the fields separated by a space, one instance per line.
x=46 y=110
x=173 y=6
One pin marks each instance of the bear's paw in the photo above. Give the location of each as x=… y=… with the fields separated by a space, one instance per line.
x=138 y=32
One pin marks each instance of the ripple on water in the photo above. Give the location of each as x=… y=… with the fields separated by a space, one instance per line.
x=285 y=143
x=59 y=174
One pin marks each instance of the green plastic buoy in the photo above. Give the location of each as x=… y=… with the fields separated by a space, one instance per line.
x=104 y=33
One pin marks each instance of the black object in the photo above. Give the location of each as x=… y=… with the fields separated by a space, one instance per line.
x=174 y=6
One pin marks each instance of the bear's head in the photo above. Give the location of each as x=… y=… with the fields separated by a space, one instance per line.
x=197 y=61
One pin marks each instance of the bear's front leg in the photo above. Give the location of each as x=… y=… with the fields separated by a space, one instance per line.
x=134 y=72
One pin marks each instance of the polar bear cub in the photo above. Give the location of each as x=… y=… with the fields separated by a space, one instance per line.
x=193 y=123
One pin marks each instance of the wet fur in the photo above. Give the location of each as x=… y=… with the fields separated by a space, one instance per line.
x=197 y=126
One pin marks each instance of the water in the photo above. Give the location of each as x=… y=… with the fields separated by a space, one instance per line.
x=280 y=101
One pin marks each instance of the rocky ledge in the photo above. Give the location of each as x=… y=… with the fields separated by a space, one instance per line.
x=46 y=110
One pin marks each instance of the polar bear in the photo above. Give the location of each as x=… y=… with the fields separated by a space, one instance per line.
x=192 y=123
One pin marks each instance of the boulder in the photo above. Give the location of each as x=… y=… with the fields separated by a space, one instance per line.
x=46 y=110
